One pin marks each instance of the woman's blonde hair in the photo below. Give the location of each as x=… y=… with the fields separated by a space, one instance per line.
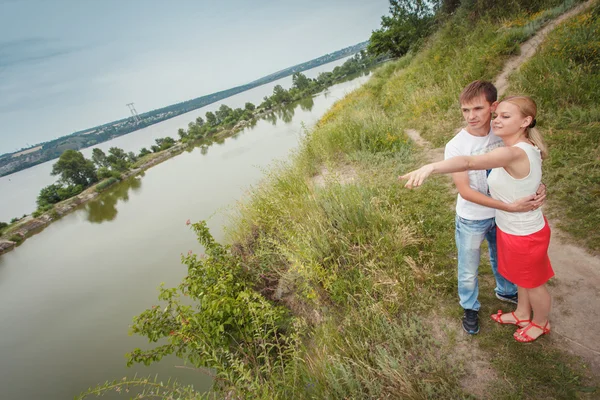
x=528 y=108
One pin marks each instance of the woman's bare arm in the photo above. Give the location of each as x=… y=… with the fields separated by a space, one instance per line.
x=501 y=157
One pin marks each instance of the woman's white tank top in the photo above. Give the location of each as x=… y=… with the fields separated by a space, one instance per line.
x=508 y=189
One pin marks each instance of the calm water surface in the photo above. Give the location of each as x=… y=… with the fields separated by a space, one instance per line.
x=68 y=294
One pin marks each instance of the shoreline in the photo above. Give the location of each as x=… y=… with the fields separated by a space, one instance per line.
x=29 y=226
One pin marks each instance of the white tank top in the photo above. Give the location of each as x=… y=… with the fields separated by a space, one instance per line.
x=508 y=189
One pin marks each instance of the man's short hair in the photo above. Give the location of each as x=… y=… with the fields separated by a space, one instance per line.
x=478 y=88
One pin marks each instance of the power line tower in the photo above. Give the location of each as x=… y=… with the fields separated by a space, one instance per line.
x=134 y=114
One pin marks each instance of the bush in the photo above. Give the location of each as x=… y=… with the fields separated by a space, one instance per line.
x=106 y=183
x=69 y=191
x=16 y=238
x=54 y=214
x=226 y=326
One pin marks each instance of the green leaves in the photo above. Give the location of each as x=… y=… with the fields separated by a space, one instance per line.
x=223 y=324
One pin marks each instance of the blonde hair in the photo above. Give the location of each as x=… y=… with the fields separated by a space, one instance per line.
x=528 y=108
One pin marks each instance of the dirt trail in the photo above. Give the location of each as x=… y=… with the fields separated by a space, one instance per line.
x=529 y=48
x=576 y=288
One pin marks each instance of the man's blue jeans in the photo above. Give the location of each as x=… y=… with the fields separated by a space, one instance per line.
x=469 y=237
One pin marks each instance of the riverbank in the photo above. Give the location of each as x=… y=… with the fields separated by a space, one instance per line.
x=28 y=225
x=359 y=272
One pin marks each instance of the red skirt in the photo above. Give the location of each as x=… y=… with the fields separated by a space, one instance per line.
x=524 y=260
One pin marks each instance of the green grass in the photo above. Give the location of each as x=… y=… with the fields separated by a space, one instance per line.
x=564 y=79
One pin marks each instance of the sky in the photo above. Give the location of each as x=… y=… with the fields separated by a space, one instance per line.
x=70 y=65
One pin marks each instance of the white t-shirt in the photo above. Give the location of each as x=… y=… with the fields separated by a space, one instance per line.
x=465 y=144
x=508 y=189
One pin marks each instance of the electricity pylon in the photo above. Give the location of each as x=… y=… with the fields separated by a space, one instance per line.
x=136 y=117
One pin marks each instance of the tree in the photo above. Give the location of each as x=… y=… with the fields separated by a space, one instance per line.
x=48 y=195
x=280 y=95
x=249 y=107
x=164 y=143
x=199 y=121
x=325 y=78
x=143 y=152
x=99 y=158
x=223 y=112
x=267 y=103
x=117 y=159
x=211 y=118
x=75 y=169
x=182 y=133
x=54 y=193
x=103 y=173
x=300 y=81
x=131 y=157
x=409 y=23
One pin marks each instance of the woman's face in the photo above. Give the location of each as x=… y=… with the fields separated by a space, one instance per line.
x=509 y=120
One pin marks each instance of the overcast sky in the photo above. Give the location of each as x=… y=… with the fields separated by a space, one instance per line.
x=70 y=65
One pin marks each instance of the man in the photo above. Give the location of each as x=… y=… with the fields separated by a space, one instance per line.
x=475 y=210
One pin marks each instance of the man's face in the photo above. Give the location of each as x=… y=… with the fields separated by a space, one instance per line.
x=478 y=112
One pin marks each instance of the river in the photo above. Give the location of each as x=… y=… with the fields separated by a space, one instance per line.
x=68 y=294
x=19 y=191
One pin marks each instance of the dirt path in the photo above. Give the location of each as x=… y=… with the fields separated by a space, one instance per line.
x=576 y=287
x=529 y=48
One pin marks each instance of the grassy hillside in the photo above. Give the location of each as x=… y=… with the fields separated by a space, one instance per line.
x=361 y=273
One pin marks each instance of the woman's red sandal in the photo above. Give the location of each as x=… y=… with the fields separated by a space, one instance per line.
x=521 y=323
x=521 y=334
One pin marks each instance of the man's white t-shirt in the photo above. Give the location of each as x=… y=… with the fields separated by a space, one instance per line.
x=465 y=144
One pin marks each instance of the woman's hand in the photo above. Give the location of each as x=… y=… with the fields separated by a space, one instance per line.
x=417 y=177
x=525 y=204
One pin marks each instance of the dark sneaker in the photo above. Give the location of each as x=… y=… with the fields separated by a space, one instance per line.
x=470 y=322
x=509 y=298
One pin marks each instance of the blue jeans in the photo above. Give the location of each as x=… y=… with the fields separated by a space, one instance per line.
x=469 y=236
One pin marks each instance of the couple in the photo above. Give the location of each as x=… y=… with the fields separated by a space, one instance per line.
x=507 y=161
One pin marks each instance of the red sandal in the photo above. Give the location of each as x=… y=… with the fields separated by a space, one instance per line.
x=521 y=334
x=521 y=323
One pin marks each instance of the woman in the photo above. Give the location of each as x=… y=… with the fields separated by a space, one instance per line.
x=522 y=238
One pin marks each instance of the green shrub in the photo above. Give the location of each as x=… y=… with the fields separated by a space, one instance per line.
x=16 y=238
x=106 y=183
x=225 y=325
x=54 y=214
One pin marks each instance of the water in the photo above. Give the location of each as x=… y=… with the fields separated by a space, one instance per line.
x=19 y=191
x=68 y=294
